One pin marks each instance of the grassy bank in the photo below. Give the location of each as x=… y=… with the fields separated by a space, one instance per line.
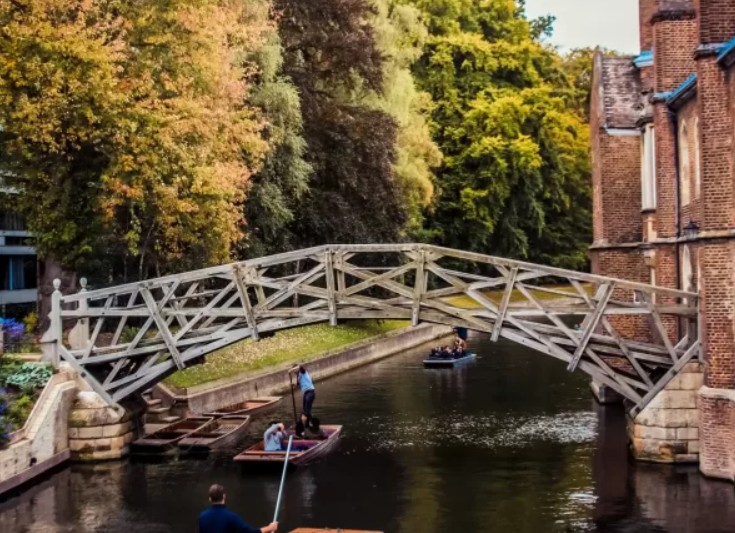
x=290 y=346
x=516 y=296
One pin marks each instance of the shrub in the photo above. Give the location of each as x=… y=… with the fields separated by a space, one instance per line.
x=29 y=376
x=19 y=410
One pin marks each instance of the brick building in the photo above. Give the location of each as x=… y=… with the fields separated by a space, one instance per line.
x=663 y=157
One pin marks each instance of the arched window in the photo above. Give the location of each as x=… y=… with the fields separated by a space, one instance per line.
x=697 y=162
x=684 y=164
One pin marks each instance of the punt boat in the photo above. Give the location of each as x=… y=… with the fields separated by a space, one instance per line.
x=448 y=362
x=320 y=530
x=218 y=433
x=248 y=407
x=303 y=451
x=164 y=440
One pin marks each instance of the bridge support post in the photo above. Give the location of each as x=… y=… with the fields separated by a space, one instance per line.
x=604 y=394
x=667 y=429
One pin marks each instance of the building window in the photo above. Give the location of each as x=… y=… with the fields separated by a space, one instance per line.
x=684 y=164
x=17 y=272
x=648 y=168
x=697 y=162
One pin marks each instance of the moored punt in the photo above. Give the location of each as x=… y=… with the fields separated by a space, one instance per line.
x=248 y=407
x=327 y=530
x=165 y=439
x=218 y=433
x=304 y=451
x=442 y=362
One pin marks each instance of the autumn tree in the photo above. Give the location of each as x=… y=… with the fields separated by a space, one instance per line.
x=126 y=130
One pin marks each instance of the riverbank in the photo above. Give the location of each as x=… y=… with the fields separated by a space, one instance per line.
x=289 y=346
x=227 y=391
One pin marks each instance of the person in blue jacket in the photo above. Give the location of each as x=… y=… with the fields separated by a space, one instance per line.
x=219 y=519
x=305 y=383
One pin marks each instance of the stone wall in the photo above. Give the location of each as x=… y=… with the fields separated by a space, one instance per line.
x=667 y=430
x=42 y=443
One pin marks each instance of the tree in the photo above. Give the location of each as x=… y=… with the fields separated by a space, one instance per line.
x=277 y=189
x=126 y=132
x=331 y=56
x=515 y=178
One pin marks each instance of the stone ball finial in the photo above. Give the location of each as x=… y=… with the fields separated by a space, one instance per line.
x=57 y=284
x=83 y=282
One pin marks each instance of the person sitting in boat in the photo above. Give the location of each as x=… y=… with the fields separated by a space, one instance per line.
x=309 y=428
x=273 y=437
x=459 y=347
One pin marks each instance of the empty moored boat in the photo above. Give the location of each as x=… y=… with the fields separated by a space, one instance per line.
x=164 y=440
x=303 y=451
x=218 y=433
x=450 y=361
x=327 y=530
x=248 y=407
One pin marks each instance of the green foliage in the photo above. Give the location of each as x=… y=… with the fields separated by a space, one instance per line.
x=29 y=376
x=126 y=128
x=20 y=409
x=515 y=177
x=276 y=190
x=334 y=61
x=31 y=323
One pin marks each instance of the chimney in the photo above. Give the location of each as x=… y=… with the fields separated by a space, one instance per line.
x=717 y=21
x=646 y=10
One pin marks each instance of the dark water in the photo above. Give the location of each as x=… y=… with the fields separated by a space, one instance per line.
x=510 y=443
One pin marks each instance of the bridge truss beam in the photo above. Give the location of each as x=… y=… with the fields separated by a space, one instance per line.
x=629 y=336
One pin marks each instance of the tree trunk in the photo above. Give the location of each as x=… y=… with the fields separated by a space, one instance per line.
x=48 y=270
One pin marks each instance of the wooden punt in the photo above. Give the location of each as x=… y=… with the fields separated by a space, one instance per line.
x=304 y=451
x=165 y=439
x=327 y=530
x=440 y=362
x=248 y=407
x=218 y=433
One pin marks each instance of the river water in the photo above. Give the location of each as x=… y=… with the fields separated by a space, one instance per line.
x=509 y=443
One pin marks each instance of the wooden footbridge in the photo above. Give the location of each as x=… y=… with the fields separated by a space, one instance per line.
x=629 y=336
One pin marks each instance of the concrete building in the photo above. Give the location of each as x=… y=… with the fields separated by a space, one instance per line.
x=18 y=262
x=663 y=156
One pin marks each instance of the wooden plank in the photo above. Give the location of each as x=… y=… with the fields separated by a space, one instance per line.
x=511 y=281
x=331 y=292
x=247 y=308
x=590 y=323
x=162 y=328
x=418 y=289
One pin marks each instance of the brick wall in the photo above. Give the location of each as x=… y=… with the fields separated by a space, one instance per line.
x=717 y=433
x=717 y=23
x=716 y=126
x=717 y=293
x=625 y=263
x=617 y=188
x=674 y=45
x=665 y=172
x=688 y=120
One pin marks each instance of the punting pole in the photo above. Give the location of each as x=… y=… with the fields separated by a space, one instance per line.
x=283 y=479
x=293 y=400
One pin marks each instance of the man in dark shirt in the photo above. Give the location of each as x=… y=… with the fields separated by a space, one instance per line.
x=219 y=519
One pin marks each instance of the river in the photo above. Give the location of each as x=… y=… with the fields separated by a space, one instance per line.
x=509 y=443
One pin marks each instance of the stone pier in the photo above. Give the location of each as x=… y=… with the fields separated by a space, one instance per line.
x=667 y=430
x=98 y=432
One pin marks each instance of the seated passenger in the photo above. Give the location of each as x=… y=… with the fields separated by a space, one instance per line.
x=273 y=437
x=459 y=347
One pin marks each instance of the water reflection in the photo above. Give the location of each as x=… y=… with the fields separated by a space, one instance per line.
x=511 y=442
